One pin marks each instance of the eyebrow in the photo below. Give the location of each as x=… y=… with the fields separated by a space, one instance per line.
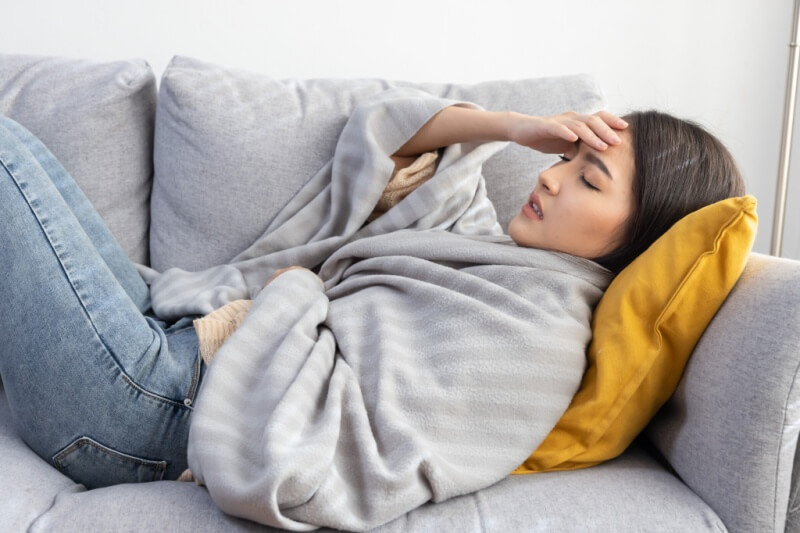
x=596 y=161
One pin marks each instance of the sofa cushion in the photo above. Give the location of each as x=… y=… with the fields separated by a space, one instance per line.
x=630 y=494
x=232 y=147
x=28 y=485
x=97 y=118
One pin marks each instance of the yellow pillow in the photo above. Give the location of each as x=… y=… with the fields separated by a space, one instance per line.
x=645 y=328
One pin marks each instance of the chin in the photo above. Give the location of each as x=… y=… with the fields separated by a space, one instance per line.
x=516 y=230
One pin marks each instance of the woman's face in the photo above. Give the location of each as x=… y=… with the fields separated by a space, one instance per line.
x=580 y=205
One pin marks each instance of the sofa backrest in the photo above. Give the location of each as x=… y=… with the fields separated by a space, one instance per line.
x=97 y=118
x=232 y=147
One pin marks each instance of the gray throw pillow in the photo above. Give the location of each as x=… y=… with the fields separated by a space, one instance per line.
x=97 y=118
x=232 y=147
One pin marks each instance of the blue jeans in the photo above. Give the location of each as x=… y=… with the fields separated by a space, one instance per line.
x=96 y=385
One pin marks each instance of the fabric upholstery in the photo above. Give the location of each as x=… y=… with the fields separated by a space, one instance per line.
x=28 y=485
x=254 y=141
x=633 y=486
x=644 y=330
x=731 y=428
x=793 y=511
x=97 y=118
x=629 y=494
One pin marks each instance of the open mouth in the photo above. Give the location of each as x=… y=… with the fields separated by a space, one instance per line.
x=536 y=210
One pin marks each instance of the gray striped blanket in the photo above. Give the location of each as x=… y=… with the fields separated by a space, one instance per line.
x=428 y=358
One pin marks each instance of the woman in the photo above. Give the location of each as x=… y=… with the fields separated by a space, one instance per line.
x=103 y=389
x=640 y=178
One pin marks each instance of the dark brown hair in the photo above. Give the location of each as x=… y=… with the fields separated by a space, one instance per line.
x=678 y=168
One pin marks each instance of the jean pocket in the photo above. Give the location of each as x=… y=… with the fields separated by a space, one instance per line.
x=94 y=465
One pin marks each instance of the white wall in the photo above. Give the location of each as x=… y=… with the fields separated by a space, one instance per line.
x=720 y=62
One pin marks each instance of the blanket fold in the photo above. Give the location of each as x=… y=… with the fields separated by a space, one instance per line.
x=427 y=359
x=333 y=207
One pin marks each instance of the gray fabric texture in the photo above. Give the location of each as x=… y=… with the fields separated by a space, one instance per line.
x=254 y=141
x=731 y=428
x=333 y=207
x=98 y=120
x=630 y=494
x=428 y=360
x=793 y=511
x=28 y=485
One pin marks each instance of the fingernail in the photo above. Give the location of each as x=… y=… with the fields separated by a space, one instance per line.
x=615 y=138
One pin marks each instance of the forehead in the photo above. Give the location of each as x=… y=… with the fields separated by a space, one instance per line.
x=617 y=160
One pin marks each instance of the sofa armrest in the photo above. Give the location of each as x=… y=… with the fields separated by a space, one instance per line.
x=730 y=430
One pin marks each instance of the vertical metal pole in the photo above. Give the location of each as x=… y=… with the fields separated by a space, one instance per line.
x=786 y=140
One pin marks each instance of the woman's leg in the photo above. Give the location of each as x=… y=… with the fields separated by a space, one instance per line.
x=92 y=224
x=94 y=386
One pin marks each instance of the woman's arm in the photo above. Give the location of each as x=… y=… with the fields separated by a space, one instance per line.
x=554 y=134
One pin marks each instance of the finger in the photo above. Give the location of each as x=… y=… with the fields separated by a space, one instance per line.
x=602 y=129
x=562 y=131
x=587 y=135
x=612 y=120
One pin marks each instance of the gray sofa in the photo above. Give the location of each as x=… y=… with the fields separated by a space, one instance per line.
x=188 y=173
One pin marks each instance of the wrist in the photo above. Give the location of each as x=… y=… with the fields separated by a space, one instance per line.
x=513 y=123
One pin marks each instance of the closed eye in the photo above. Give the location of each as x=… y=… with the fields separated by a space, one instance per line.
x=588 y=184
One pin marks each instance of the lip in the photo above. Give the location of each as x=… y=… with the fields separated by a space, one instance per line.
x=529 y=212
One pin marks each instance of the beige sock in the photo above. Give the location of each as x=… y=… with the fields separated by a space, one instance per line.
x=215 y=328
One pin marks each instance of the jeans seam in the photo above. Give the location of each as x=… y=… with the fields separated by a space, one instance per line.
x=190 y=395
x=20 y=184
x=129 y=380
x=158 y=466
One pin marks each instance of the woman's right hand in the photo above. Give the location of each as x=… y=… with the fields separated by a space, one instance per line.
x=555 y=134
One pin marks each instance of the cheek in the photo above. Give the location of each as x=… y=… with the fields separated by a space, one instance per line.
x=606 y=226
x=583 y=218
x=586 y=226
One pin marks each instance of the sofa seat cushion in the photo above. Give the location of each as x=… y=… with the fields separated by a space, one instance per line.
x=28 y=485
x=631 y=493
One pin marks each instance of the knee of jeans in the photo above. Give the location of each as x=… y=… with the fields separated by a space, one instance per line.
x=12 y=130
x=8 y=124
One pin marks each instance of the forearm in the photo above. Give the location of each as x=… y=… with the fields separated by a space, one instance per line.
x=551 y=135
x=454 y=125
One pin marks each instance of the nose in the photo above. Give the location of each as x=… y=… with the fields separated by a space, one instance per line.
x=549 y=181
